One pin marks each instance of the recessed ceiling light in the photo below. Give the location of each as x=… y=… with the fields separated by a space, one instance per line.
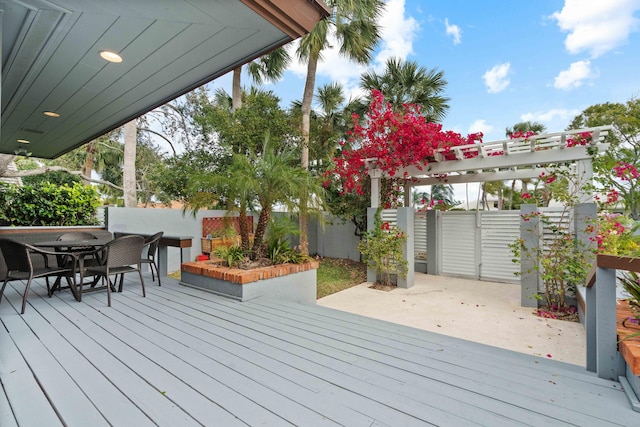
x=110 y=56
x=51 y=114
x=24 y=141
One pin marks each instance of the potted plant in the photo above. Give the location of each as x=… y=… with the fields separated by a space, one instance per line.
x=382 y=247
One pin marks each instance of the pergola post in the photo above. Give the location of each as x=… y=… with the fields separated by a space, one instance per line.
x=371 y=220
x=374 y=174
x=405 y=218
x=529 y=262
x=584 y=175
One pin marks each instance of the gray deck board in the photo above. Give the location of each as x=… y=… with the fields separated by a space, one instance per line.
x=221 y=349
x=353 y=378
x=460 y=376
x=185 y=357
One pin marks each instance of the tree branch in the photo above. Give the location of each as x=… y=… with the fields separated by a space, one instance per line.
x=39 y=171
x=161 y=136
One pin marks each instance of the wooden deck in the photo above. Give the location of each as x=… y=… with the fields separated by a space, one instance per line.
x=182 y=357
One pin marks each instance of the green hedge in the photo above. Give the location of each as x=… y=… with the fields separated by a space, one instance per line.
x=48 y=204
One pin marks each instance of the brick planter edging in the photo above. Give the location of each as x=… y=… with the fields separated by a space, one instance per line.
x=240 y=276
x=293 y=282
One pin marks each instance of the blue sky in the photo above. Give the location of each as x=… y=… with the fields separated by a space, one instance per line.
x=505 y=62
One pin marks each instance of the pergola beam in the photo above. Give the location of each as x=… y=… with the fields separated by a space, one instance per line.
x=501 y=162
x=481 y=177
x=519 y=158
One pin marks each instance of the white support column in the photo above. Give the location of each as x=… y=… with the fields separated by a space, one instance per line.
x=584 y=175
x=375 y=174
x=405 y=218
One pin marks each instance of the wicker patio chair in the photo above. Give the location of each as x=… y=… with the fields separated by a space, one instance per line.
x=79 y=235
x=119 y=256
x=151 y=252
x=20 y=266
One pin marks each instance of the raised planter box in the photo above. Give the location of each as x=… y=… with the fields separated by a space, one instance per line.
x=294 y=282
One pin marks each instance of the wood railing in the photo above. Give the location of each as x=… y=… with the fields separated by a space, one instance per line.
x=600 y=320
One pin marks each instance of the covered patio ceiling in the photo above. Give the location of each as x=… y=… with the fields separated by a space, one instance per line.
x=51 y=62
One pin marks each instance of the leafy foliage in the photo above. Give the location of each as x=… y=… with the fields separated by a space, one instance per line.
x=624 y=149
x=232 y=255
x=406 y=82
x=630 y=282
x=396 y=140
x=382 y=247
x=564 y=261
x=54 y=177
x=48 y=204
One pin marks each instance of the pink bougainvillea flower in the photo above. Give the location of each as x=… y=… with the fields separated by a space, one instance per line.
x=526 y=196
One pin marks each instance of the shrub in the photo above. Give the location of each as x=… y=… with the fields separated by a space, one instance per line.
x=48 y=204
x=232 y=255
x=382 y=247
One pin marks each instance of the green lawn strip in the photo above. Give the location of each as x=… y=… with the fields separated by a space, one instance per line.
x=334 y=275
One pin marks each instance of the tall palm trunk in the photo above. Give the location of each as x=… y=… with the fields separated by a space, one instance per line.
x=236 y=89
x=87 y=166
x=259 y=247
x=129 y=170
x=307 y=98
x=244 y=228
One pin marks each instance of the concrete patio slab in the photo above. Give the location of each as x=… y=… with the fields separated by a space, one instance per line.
x=484 y=312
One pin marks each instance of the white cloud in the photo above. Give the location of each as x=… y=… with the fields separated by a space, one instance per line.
x=548 y=116
x=480 y=125
x=575 y=76
x=497 y=78
x=597 y=26
x=398 y=32
x=454 y=31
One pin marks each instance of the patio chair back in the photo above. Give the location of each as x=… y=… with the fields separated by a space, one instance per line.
x=121 y=255
x=152 y=248
x=124 y=252
x=17 y=258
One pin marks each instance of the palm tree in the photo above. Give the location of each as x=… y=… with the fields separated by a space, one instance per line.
x=329 y=122
x=529 y=126
x=269 y=67
x=354 y=23
x=443 y=192
x=406 y=82
x=261 y=181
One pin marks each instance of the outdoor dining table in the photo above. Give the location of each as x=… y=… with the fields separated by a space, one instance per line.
x=70 y=246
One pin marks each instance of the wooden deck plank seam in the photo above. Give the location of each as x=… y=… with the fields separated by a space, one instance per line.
x=509 y=388
x=258 y=392
x=399 y=390
x=402 y=333
x=185 y=403
x=186 y=300
x=342 y=374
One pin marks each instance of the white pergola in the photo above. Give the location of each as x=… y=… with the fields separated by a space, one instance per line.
x=498 y=160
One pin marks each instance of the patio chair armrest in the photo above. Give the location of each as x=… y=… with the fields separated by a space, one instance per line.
x=45 y=253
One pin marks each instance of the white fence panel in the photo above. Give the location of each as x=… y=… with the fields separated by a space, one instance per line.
x=499 y=230
x=420 y=236
x=459 y=255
